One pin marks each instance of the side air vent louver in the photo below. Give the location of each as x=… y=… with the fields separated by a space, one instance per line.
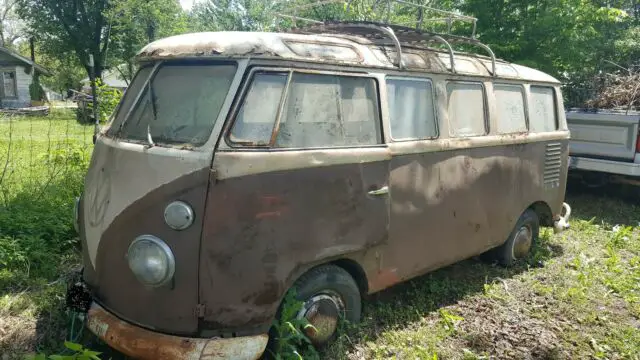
x=552 y=165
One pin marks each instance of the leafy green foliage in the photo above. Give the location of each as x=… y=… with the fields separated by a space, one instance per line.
x=137 y=23
x=79 y=352
x=67 y=26
x=108 y=100
x=35 y=89
x=38 y=245
x=290 y=342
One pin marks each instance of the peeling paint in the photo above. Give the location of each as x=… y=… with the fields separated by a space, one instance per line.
x=144 y=344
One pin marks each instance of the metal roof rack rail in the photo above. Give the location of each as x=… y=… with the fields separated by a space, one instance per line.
x=400 y=35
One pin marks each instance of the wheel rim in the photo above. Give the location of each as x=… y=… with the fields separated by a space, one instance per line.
x=522 y=242
x=322 y=311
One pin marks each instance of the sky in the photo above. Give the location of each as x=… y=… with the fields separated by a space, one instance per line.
x=186 y=4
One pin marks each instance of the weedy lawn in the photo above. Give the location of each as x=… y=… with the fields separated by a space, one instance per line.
x=577 y=297
x=42 y=161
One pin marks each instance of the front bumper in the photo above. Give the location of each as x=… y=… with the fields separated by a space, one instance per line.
x=141 y=343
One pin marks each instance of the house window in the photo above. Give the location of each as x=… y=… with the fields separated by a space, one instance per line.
x=9 y=84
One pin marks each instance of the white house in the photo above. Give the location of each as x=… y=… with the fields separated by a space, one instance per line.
x=16 y=75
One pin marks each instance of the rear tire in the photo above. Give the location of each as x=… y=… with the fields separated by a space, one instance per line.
x=521 y=240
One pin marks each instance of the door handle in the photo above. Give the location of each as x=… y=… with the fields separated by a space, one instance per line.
x=379 y=192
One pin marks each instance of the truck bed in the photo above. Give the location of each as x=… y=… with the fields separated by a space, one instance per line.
x=604 y=142
x=604 y=134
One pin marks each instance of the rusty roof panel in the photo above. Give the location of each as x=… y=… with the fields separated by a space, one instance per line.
x=326 y=48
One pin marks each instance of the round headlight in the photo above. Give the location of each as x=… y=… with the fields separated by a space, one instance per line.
x=151 y=260
x=178 y=215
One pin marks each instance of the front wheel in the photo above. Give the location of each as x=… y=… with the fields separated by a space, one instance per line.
x=520 y=241
x=328 y=294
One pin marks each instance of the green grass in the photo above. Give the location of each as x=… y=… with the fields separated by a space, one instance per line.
x=577 y=297
x=42 y=162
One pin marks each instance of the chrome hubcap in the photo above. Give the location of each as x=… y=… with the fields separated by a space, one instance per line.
x=322 y=311
x=522 y=242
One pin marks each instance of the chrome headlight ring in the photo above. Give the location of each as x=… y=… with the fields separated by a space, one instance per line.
x=151 y=261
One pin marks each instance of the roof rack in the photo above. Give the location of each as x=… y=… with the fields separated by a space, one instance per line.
x=399 y=34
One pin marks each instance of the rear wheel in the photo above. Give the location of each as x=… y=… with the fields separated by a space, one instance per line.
x=328 y=294
x=520 y=241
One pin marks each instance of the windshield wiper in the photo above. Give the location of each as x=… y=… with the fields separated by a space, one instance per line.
x=138 y=97
x=149 y=138
x=154 y=111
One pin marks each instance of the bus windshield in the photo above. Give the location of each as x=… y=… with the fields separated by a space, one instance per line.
x=178 y=105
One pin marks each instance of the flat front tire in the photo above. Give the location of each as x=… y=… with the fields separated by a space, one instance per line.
x=328 y=294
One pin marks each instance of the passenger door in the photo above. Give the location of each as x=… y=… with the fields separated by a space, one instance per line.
x=437 y=199
x=301 y=179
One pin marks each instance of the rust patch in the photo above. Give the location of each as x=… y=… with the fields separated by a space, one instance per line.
x=384 y=278
x=144 y=344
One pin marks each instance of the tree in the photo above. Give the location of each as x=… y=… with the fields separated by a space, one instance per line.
x=11 y=26
x=64 y=26
x=66 y=70
x=233 y=15
x=136 y=23
x=566 y=38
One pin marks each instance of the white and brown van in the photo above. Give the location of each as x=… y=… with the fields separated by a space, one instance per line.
x=240 y=165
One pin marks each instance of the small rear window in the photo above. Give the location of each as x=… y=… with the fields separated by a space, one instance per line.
x=542 y=109
x=466 y=109
x=411 y=110
x=510 y=108
x=178 y=106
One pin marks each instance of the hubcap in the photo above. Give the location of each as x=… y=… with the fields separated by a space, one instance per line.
x=522 y=242
x=322 y=311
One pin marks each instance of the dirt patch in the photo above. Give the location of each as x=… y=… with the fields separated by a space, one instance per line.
x=505 y=332
x=17 y=336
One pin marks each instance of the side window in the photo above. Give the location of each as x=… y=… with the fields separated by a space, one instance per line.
x=542 y=109
x=510 y=108
x=328 y=111
x=466 y=108
x=257 y=115
x=411 y=110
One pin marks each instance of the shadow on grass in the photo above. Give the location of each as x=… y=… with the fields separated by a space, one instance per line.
x=612 y=204
x=414 y=300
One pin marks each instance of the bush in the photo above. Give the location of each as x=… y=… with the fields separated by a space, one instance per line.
x=35 y=89
x=108 y=100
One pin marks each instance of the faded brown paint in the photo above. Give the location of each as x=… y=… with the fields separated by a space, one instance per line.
x=168 y=308
x=264 y=217
x=248 y=260
x=262 y=230
x=451 y=205
x=444 y=206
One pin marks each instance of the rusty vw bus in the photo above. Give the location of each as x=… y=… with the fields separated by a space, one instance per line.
x=338 y=161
